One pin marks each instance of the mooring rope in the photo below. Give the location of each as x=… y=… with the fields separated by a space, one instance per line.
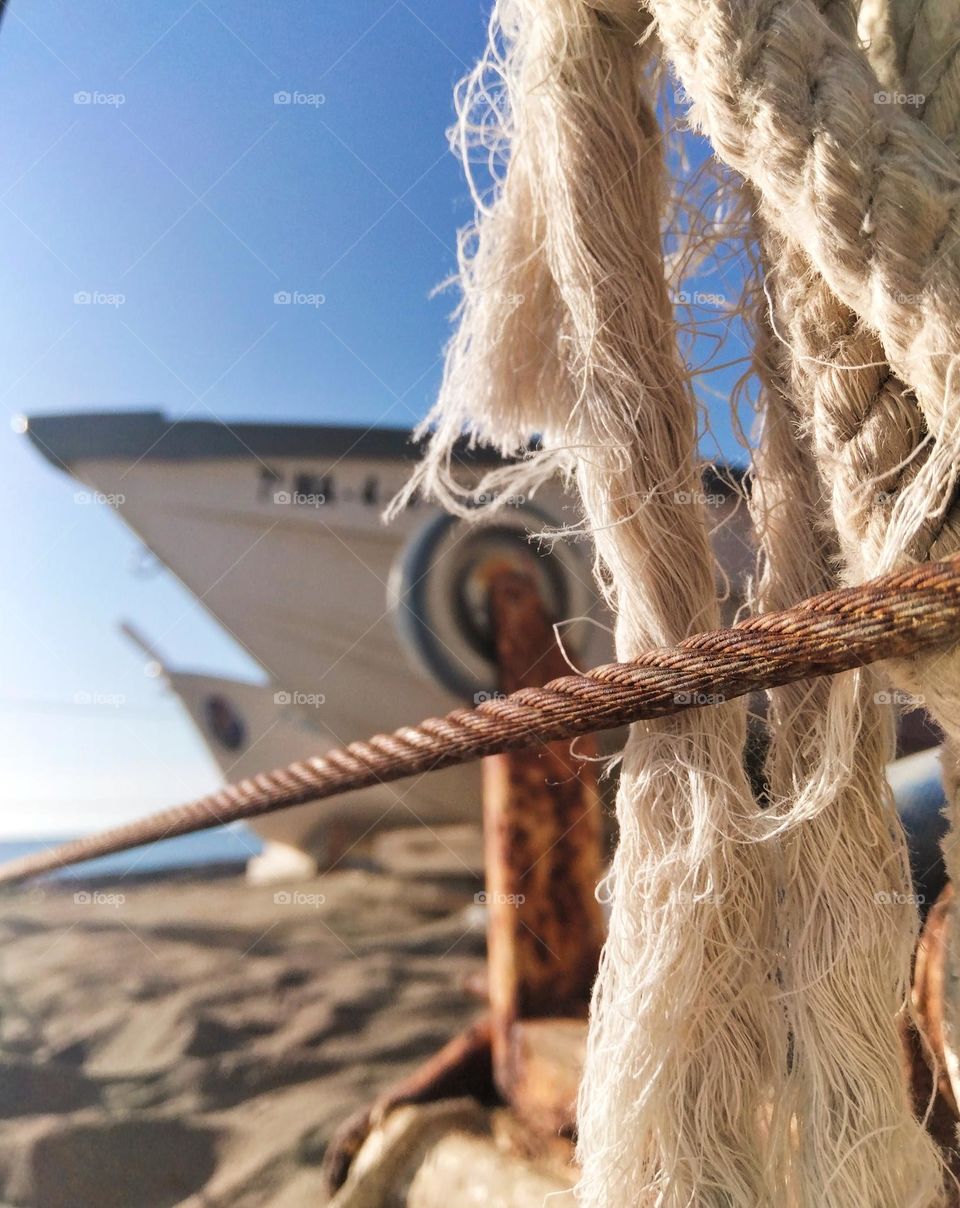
x=861 y=201
x=890 y=617
x=841 y=422
x=778 y=93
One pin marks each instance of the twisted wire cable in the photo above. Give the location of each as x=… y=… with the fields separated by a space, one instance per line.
x=890 y=617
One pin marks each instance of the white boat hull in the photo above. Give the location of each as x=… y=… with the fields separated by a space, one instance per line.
x=277 y=530
x=247 y=729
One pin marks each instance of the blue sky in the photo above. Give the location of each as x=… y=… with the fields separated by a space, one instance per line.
x=183 y=187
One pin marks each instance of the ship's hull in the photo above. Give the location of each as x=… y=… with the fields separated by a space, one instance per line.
x=249 y=728
x=277 y=530
x=361 y=627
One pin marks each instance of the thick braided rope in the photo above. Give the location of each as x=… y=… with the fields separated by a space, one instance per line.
x=931 y=66
x=871 y=446
x=913 y=47
x=875 y=456
x=838 y=630
x=869 y=434
x=873 y=450
x=874 y=208
x=867 y=426
x=869 y=193
x=845 y=916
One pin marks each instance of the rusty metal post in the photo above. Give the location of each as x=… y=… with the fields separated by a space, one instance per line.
x=543 y=854
x=543 y=849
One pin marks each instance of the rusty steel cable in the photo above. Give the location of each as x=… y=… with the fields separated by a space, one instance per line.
x=893 y=616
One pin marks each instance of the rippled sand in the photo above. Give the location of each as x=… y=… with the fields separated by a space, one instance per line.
x=186 y=1041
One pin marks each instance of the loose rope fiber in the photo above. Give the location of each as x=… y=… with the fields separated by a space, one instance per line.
x=836 y=631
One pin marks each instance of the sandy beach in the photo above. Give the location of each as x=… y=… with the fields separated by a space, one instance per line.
x=194 y=1040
